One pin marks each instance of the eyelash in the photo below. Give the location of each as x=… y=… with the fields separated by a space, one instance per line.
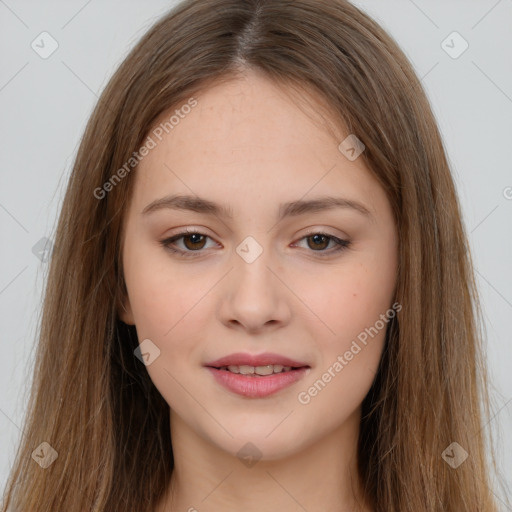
x=166 y=243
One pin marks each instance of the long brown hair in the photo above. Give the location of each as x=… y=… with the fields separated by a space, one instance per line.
x=92 y=400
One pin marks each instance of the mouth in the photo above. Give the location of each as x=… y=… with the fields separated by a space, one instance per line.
x=258 y=371
x=256 y=380
x=256 y=376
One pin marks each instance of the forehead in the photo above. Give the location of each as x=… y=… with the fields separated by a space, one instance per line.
x=251 y=110
x=249 y=136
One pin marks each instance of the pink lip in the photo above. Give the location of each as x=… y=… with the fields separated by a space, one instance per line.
x=257 y=387
x=264 y=359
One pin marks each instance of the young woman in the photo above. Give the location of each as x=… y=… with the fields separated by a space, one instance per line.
x=261 y=295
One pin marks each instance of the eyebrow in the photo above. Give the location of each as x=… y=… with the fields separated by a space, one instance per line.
x=290 y=209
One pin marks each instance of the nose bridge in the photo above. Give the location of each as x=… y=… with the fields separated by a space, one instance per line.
x=251 y=265
x=254 y=297
x=250 y=250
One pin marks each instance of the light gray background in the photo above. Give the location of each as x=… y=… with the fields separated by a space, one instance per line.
x=45 y=104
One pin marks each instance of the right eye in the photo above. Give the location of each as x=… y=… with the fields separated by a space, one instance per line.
x=195 y=242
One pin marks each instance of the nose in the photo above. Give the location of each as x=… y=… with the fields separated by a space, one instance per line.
x=253 y=296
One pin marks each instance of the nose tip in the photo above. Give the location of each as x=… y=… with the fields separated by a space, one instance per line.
x=254 y=304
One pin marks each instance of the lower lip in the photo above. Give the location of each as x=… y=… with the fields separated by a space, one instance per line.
x=257 y=387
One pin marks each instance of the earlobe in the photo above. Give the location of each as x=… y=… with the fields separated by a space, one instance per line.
x=125 y=312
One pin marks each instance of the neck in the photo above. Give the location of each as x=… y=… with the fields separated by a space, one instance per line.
x=320 y=476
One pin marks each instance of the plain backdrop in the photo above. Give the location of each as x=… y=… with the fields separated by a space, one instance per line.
x=45 y=102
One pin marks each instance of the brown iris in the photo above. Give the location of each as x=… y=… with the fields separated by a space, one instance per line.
x=317 y=238
x=195 y=241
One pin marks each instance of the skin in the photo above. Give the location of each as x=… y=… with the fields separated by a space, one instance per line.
x=250 y=146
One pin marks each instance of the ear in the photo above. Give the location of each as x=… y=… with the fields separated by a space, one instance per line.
x=124 y=310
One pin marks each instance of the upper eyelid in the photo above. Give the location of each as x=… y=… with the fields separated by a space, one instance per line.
x=316 y=231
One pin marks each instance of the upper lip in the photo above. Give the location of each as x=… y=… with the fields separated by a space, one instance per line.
x=264 y=359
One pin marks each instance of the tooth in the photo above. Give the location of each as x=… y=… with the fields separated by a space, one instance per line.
x=246 y=370
x=264 y=370
x=268 y=369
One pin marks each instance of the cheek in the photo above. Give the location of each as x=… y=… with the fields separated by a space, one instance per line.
x=350 y=299
x=350 y=357
x=165 y=304
x=159 y=293
x=170 y=308
x=355 y=310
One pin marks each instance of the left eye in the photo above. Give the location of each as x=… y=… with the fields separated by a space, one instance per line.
x=194 y=241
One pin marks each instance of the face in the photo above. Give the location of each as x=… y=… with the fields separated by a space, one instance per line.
x=311 y=284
